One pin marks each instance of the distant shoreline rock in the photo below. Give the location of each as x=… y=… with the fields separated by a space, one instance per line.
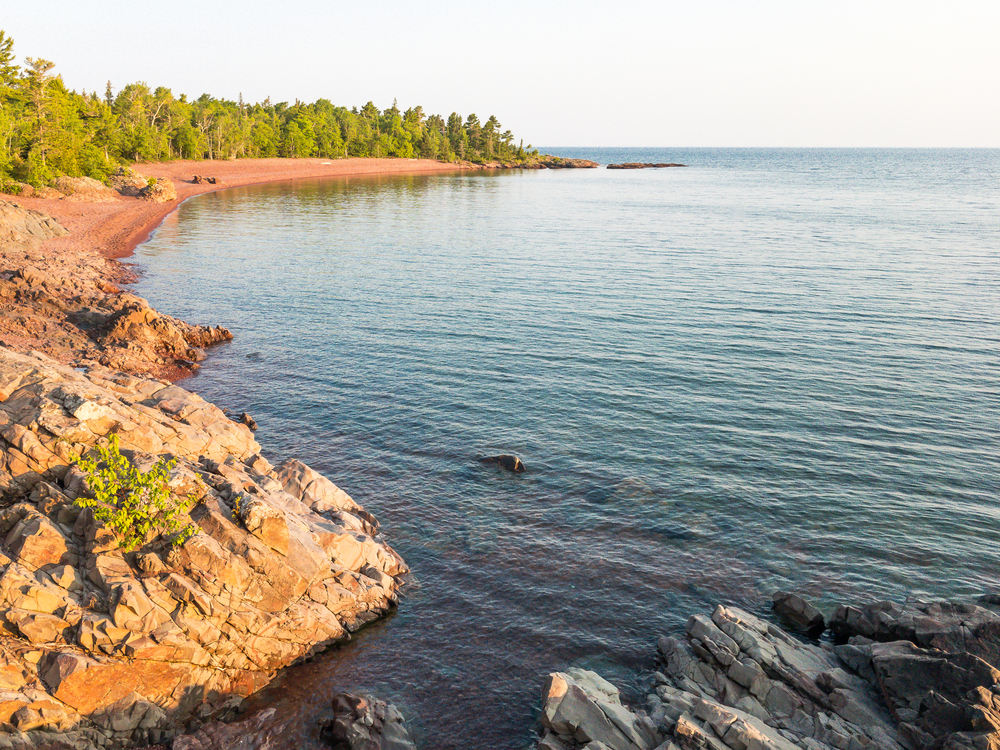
x=642 y=165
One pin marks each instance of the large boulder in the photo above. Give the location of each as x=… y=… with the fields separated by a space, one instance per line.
x=85 y=189
x=580 y=705
x=799 y=613
x=361 y=722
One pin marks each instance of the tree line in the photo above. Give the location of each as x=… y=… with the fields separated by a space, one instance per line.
x=48 y=130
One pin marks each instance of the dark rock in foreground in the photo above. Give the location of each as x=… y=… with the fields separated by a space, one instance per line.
x=642 y=165
x=799 y=613
x=505 y=461
x=735 y=682
x=362 y=722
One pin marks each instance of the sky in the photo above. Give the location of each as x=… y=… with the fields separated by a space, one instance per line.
x=802 y=73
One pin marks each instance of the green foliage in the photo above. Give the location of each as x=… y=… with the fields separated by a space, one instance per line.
x=130 y=502
x=47 y=130
x=9 y=187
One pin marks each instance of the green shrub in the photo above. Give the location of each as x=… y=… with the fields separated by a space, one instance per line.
x=9 y=187
x=130 y=502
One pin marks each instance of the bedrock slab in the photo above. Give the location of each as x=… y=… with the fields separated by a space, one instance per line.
x=102 y=646
x=913 y=676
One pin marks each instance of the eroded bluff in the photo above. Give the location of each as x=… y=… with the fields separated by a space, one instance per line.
x=100 y=646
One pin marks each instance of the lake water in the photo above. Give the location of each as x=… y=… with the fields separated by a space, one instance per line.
x=769 y=369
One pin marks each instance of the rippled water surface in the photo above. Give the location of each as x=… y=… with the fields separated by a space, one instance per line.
x=768 y=369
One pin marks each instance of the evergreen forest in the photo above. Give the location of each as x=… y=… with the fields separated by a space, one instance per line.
x=48 y=130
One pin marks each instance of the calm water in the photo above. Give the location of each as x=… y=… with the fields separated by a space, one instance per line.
x=773 y=368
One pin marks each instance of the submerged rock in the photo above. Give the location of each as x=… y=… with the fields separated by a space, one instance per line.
x=504 y=461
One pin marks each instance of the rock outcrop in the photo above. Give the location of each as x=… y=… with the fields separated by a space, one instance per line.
x=558 y=162
x=128 y=183
x=99 y=645
x=159 y=190
x=937 y=665
x=67 y=307
x=735 y=682
x=582 y=707
x=85 y=189
x=642 y=165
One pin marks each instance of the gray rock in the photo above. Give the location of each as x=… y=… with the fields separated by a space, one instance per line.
x=798 y=613
x=362 y=722
x=581 y=705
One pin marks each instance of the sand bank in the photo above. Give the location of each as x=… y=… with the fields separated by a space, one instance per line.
x=113 y=229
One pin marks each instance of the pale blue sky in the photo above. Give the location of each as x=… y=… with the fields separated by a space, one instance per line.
x=667 y=73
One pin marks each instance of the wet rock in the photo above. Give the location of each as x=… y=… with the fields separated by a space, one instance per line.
x=362 y=722
x=798 y=613
x=505 y=461
x=248 y=421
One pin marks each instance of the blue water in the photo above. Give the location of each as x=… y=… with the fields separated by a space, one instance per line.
x=769 y=369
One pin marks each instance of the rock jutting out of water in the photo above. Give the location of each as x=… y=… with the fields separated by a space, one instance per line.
x=505 y=461
x=642 y=165
x=734 y=682
x=799 y=613
x=361 y=722
x=99 y=645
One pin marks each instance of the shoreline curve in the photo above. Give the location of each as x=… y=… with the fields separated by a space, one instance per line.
x=115 y=228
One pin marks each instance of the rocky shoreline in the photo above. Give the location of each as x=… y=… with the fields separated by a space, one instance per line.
x=102 y=646
x=913 y=676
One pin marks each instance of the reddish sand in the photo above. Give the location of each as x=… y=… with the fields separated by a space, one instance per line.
x=115 y=228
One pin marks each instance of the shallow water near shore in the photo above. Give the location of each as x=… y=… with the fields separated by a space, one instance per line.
x=770 y=369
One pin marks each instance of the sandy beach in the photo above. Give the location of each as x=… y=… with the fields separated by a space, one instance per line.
x=114 y=229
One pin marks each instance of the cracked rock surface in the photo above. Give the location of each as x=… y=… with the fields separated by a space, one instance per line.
x=100 y=646
x=906 y=677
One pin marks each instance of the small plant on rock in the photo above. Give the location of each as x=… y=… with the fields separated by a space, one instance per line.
x=131 y=502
